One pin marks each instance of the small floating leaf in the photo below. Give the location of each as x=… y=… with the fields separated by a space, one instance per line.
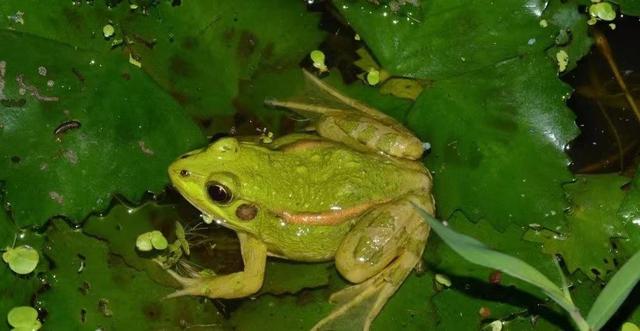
x=151 y=240
x=563 y=59
x=108 y=31
x=22 y=259
x=24 y=318
x=318 y=59
x=373 y=77
x=603 y=11
x=158 y=240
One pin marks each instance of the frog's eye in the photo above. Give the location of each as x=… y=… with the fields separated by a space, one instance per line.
x=218 y=192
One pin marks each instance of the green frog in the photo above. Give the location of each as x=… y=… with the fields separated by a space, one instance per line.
x=346 y=192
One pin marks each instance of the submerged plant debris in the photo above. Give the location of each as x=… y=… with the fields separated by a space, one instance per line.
x=98 y=97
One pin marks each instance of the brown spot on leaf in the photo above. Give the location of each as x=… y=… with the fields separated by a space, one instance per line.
x=190 y=43
x=180 y=97
x=246 y=44
x=180 y=67
x=78 y=74
x=267 y=51
x=152 y=311
x=227 y=35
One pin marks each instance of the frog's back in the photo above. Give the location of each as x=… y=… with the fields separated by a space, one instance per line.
x=316 y=176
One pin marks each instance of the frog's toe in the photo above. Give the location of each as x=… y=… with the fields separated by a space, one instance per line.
x=184 y=281
x=190 y=286
x=180 y=293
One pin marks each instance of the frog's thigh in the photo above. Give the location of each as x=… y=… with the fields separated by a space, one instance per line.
x=367 y=133
x=235 y=285
x=380 y=236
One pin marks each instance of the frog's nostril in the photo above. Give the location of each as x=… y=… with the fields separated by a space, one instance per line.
x=184 y=173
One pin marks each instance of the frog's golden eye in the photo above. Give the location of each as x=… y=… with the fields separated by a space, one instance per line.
x=218 y=192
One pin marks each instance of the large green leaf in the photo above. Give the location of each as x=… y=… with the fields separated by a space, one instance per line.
x=445 y=38
x=120 y=137
x=197 y=51
x=91 y=288
x=592 y=222
x=497 y=142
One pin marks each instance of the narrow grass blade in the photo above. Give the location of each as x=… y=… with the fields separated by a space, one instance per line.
x=476 y=252
x=615 y=293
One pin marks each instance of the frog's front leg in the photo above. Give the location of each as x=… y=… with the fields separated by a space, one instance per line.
x=378 y=254
x=235 y=285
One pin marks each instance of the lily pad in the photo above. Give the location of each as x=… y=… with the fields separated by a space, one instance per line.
x=488 y=139
x=197 y=51
x=91 y=288
x=278 y=278
x=88 y=128
x=454 y=37
x=592 y=222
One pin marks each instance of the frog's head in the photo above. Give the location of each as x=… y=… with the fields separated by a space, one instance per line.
x=209 y=179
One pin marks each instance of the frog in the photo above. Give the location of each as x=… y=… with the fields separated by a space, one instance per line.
x=346 y=190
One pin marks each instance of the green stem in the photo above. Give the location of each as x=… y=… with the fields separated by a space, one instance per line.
x=579 y=320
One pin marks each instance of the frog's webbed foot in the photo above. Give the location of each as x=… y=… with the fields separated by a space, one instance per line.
x=189 y=284
x=358 y=305
x=235 y=285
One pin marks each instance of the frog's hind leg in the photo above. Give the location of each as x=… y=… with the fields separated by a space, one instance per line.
x=379 y=256
x=355 y=124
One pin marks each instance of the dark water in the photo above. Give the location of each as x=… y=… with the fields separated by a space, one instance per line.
x=610 y=138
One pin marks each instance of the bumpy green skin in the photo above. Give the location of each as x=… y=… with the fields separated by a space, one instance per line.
x=312 y=179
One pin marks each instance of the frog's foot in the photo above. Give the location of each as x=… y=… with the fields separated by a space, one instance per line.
x=189 y=284
x=358 y=305
x=235 y=285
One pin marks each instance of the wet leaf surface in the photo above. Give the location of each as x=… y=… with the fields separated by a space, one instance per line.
x=629 y=7
x=92 y=288
x=592 y=223
x=89 y=128
x=514 y=111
